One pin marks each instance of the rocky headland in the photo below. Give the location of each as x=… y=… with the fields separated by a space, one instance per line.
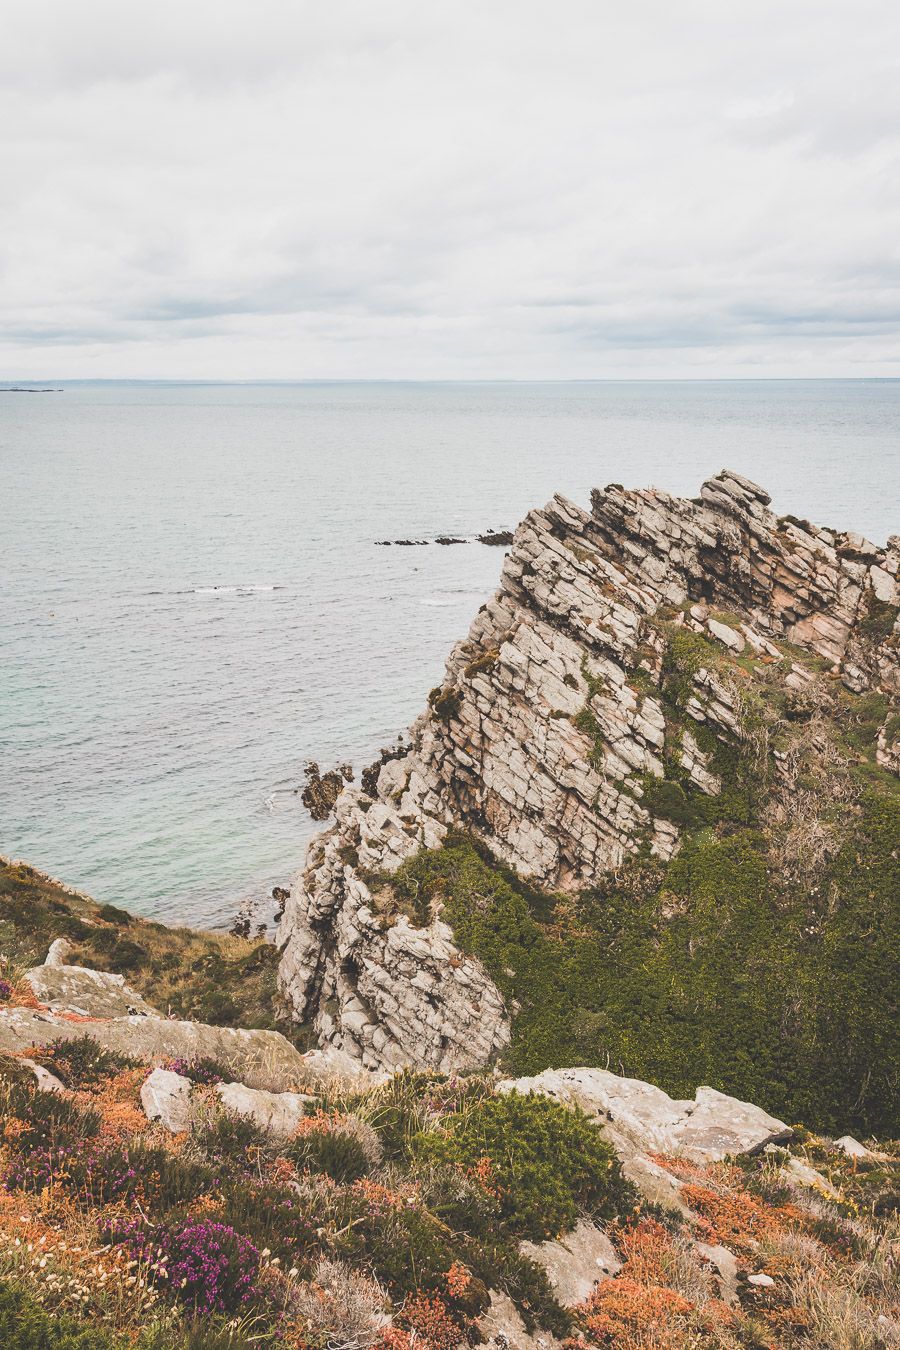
x=654 y=677
x=553 y=992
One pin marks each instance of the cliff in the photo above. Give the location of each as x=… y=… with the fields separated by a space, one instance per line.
x=655 y=680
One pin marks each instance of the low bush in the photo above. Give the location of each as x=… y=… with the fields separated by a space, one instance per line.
x=206 y=1265
x=48 y=1119
x=205 y=1072
x=344 y=1148
x=547 y=1164
x=227 y=1137
x=26 y=1325
x=83 y=1062
x=272 y=1217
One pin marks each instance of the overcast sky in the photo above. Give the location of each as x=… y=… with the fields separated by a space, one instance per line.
x=484 y=188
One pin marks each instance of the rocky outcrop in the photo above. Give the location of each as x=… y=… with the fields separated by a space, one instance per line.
x=87 y=993
x=639 y=1117
x=263 y=1059
x=549 y=726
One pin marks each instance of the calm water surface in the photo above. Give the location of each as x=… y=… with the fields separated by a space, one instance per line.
x=192 y=605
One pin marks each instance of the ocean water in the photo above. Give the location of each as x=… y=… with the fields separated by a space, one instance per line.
x=192 y=603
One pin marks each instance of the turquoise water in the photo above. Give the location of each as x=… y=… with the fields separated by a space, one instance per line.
x=192 y=605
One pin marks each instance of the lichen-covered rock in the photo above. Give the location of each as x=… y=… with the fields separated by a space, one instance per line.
x=166 y=1099
x=549 y=730
x=576 y=1262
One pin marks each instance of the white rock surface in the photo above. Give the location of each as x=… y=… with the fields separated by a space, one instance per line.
x=711 y=1127
x=575 y=1263
x=90 y=993
x=277 y=1112
x=852 y=1147
x=503 y=1329
x=166 y=1098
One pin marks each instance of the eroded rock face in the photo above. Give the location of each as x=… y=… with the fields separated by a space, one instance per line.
x=546 y=727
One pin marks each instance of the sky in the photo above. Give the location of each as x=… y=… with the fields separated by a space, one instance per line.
x=480 y=189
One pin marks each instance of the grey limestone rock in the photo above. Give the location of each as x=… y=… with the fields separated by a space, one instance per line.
x=505 y=754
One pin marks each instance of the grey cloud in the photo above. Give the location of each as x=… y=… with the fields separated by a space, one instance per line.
x=286 y=188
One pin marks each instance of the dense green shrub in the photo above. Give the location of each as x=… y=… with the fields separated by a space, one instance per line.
x=707 y=970
x=548 y=1163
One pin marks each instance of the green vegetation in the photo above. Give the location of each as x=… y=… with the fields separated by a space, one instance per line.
x=550 y=1163
x=210 y=977
x=445 y=703
x=25 y=1325
x=704 y=971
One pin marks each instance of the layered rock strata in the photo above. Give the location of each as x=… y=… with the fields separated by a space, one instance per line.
x=547 y=727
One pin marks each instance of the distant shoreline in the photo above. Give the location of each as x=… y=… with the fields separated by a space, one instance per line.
x=19 y=389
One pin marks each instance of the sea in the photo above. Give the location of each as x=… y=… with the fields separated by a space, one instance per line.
x=193 y=602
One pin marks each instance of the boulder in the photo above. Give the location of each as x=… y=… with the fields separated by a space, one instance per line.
x=166 y=1098
x=646 y=1119
x=729 y=637
x=576 y=1262
x=46 y=1081
x=279 y=1113
x=88 y=993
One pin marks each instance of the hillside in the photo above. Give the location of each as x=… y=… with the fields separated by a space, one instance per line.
x=649 y=820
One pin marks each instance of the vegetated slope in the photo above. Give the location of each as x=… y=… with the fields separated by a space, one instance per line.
x=413 y=1213
x=213 y=977
x=654 y=806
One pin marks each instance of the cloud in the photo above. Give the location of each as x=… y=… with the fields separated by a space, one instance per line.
x=285 y=189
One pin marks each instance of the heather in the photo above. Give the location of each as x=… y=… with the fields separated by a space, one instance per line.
x=390 y=1214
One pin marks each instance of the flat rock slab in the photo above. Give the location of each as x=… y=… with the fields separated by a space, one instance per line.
x=279 y=1113
x=262 y=1059
x=90 y=993
x=576 y=1262
x=711 y=1127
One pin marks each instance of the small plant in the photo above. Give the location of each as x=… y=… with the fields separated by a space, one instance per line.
x=205 y=1072
x=345 y=1148
x=445 y=703
x=341 y=1307
x=231 y=1138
